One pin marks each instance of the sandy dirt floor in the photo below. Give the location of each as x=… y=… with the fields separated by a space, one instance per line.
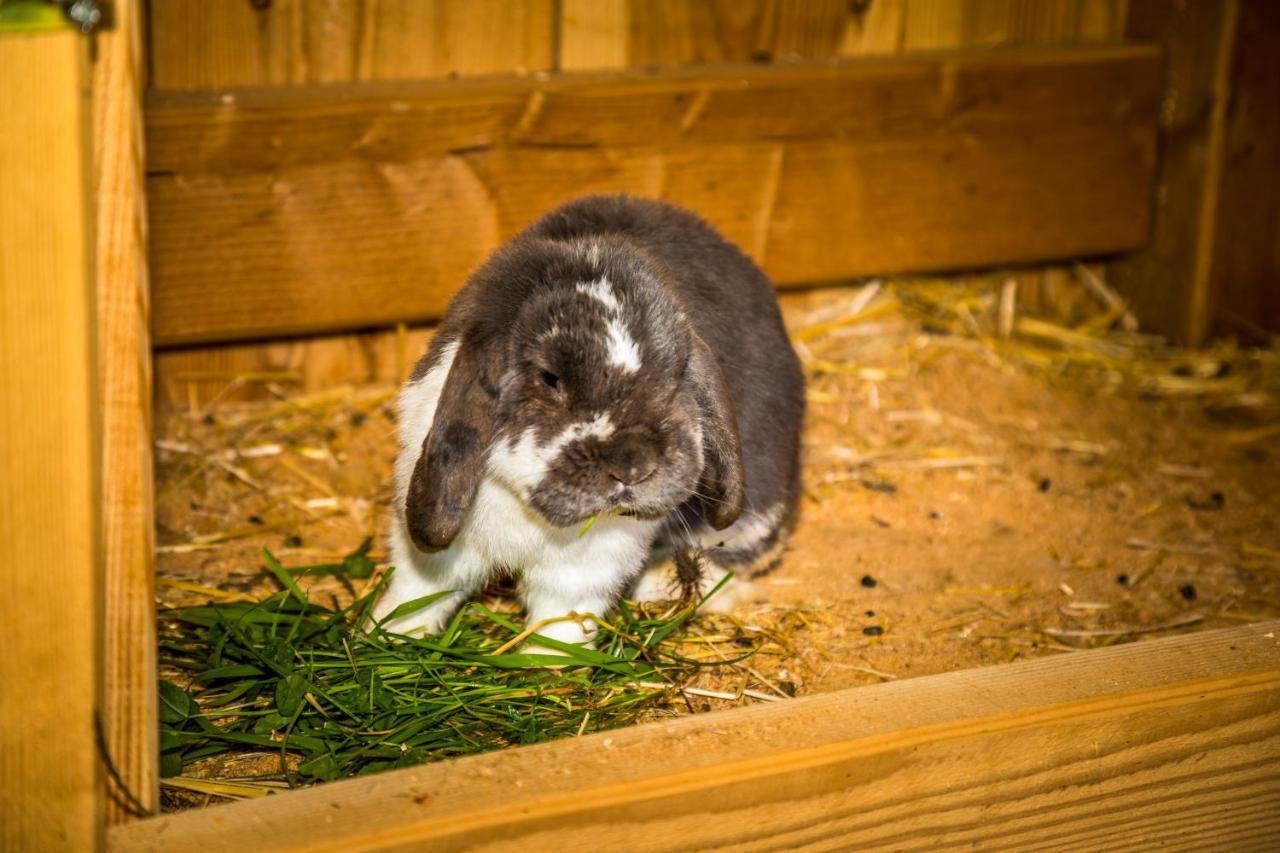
x=981 y=486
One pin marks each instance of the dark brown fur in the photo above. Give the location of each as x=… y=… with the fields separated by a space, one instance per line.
x=713 y=352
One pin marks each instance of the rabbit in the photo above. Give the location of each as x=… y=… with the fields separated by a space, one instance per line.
x=617 y=364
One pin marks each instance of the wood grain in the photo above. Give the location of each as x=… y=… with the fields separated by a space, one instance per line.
x=1169 y=281
x=1170 y=743
x=190 y=377
x=292 y=211
x=213 y=43
x=410 y=38
x=599 y=34
x=878 y=27
x=270 y=129
x=667 y=33
x=1246 y=262
x=51 y=794
x=934 y=24
x=596 y=34
x=124 y=367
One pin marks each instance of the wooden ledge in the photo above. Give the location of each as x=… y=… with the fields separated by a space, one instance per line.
x=1173 y=741
x=271 y=127
x=280 y=211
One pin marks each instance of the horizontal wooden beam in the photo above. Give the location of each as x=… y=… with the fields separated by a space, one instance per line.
x=295 y=210
x=1168 y=741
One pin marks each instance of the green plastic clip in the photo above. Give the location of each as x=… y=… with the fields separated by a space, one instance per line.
x=33 y=16
x=30 y=16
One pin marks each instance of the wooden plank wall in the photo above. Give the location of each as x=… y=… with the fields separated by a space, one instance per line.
x=293 y=210
x=203 y=44
x=51 y=794
x=1169 y=281
x=1212 y=265
x=211 y=43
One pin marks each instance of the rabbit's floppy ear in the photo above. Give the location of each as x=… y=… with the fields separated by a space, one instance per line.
x=722 y=485
x=448 y=473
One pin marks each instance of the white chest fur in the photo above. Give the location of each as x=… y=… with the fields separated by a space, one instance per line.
x=505 y=533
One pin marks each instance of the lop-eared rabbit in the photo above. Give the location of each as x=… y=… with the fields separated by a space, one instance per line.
x=617 y=363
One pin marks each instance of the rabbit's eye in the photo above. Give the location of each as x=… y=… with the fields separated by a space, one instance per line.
x=551 y=380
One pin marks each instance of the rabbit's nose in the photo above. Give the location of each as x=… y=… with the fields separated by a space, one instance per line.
x=632 y=458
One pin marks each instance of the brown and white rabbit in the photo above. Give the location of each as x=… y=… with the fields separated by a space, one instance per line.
x=617 y=359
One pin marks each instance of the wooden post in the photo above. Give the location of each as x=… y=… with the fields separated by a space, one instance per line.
x=51 y=796
x=129 y=711
x=1246 y=261
x=1211 y=266
x=1169 y=281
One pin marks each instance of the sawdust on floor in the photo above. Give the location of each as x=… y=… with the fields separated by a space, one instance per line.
x=980 y=487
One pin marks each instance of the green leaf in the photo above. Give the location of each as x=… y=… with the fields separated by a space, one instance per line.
x=283 y=576
x=176 y=704
x=291 y=692
x=242 y=670
x=354 y=565
x=268 y=723
x=413 y=606
x=171 y=740
x=322 y=766
x=170 y=764
x=357 y=564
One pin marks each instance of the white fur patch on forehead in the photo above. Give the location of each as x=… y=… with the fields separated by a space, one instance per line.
x=601 y=290
x=622 y=348
x=521 y=462
x=623 y=351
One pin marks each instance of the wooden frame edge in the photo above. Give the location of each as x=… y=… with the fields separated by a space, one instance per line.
x=1174 y=739
x=129 y=713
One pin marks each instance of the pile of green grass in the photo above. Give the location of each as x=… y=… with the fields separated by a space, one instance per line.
x=336 y=697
